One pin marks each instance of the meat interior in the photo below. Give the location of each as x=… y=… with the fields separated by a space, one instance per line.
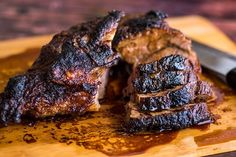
x=140 y=47
x=148 y=38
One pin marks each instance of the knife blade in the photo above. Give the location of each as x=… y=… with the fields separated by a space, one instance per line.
x=219 y=62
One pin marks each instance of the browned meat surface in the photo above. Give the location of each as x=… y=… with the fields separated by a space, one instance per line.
x=148 y=35
x=166 y=97
x=175 y=97
x=172 y=119
x=165 y=73
x=68 y=76
x=165 y=89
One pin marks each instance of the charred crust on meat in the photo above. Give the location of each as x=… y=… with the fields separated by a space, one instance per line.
x=170 y=63
x=148 y=37
x=34 y=95
x=65 y=78
x=196 y=114
x=164 y=90
x=167 y=94
x=166 y=73
x=131 y=27
x=82 y=48
x=163 y=80
x=179 y=96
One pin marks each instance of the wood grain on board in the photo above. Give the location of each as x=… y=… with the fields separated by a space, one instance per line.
x=21 y=18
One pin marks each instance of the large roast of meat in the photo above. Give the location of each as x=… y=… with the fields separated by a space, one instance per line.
x=164 y=89
x=69 y=75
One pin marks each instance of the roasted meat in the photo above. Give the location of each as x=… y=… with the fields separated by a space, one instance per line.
x=165 y=89
x=148 y=37
x=175 y=97
x=165 y=73
x=69 y=75
x=169 y=103
x=169 y=82
x=172 y=119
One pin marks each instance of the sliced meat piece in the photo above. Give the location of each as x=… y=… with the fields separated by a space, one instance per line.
x=181 y=95
x=168 y=72
x=138 y=38
x=173 y=62
x=161 y=81
x=172 y=119
x=69 y=75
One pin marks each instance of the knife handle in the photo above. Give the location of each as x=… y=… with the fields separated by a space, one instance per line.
x=231 y=78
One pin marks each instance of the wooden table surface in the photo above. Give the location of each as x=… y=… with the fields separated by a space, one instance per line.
x=21 y=18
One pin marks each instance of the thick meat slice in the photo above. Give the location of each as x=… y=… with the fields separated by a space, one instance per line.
x=140 y=37
x=176 y=97
x=166 y=73
x=173 y=62
x=172 y=119
x=68 y=76
x=163 y=80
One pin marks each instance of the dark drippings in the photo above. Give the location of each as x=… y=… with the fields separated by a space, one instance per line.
x=101 y=132
x=29 y=138
x=215 y=137
x=204 y=127
x=128 y=144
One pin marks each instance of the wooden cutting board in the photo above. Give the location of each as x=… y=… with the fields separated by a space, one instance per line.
x=98 y=134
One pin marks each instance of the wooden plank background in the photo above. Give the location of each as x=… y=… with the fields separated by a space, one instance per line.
x=19 y=18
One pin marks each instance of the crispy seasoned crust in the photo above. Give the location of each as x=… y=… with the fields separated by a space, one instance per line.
x=161 y=81
x=181 y=95
x=71 y=74
x=67 y=76
x=74 y=56
x=170 y=63
x=133 y=26
x=166 y=73
x=167 y=94
x=34 y=95
x=148 y=38
x=194 y=114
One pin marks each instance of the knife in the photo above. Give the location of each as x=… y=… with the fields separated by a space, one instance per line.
x=219 y=62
